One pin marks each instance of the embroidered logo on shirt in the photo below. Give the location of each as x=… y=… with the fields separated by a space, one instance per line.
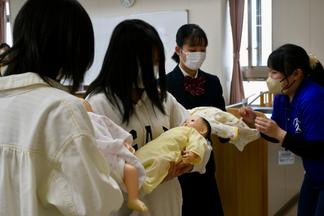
x=296 y=124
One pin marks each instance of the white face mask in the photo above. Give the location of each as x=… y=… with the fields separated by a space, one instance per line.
x=3 y=69
x=194 y=60
x=140 y=83
x=156 y=71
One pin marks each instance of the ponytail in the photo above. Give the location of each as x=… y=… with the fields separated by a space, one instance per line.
x=316 y=72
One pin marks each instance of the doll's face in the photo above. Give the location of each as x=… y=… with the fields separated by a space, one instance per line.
x=197 y=123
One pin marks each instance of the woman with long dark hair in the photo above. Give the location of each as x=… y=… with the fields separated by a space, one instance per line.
x=49 y=161
x=131 y=90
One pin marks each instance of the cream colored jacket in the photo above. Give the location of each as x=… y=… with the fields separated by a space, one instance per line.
x=49 y=164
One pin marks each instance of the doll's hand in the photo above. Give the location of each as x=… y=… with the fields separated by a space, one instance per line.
x=269 y=128
x=248 y=115
x=129 y=147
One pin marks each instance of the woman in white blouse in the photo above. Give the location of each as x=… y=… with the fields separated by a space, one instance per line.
x=49 y=164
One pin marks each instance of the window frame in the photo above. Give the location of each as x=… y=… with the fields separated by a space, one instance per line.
x=253 y=73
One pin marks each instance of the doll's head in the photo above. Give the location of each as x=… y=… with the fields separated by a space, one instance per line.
x=200 y=124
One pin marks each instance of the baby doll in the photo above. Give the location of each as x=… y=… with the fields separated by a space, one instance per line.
x=227 y=126
x=114 y=143
x=187 y=143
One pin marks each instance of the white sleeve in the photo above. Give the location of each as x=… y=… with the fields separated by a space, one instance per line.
x=105 y=127
x=118 y=132
x=178 y=114
x=101 y=105
x=81 y=185
x=201 y=167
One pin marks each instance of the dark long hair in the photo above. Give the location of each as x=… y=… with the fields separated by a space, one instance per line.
x=132 y=46
x=289 y=57
x=4 y=48
x=191 y=34
x=53 y=38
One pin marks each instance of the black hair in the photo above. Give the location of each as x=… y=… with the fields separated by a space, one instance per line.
x=4 y=47
x=289 y=57
x=207 y=124
x=132 y=46
x=53 y=38
x=190 y=34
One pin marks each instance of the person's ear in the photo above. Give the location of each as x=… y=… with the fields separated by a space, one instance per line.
x=178 y=50
x=298 y=74
x=203 y=131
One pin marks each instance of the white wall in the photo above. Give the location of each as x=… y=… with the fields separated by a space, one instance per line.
x=15 y=5
x=294 y=21
x=299 y=22
x=209 y=14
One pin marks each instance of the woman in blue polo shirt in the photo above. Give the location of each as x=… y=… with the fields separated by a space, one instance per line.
x=297 y=118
